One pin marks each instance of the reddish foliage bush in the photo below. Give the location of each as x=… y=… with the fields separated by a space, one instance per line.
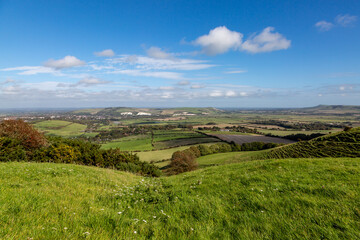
x=25 y=133
x=182 y=161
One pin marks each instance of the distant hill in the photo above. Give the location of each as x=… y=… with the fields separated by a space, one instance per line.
x=334 y=109
x=341 y=144
x=118 y=111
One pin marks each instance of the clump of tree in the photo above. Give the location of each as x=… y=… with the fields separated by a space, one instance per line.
x=298 y=137
x=185 y=161
x=19 y=141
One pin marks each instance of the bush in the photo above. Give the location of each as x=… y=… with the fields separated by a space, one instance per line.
x=29 y=137
x=204 y=150
x=182 y=161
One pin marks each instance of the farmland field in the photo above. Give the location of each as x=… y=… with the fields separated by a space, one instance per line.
x=184 y=142
x=240 y=139
x=61 y=128
x=132 y=143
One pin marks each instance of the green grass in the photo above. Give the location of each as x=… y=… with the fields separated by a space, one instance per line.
x=184 y=142
x=132 y=143
x=289 y=132
x=61 y=128
x=162 y=154
x=228 y=158
x=271 y=199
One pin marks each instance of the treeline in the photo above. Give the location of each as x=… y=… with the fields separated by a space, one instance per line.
x=297 y=137
x=19 y=141
x=299 y=126
x=184 y=161
x=231 y=129
x=134 y=130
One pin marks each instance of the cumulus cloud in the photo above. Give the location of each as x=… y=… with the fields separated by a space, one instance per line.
x=345 y=20
x=219 y=40
x=155 y=52
x=324 y=26
x=66 y=62
x=105 y=53
x=266 y=41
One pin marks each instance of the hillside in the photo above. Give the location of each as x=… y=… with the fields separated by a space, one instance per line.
x=118 y=111
x=282 y=199
x=340 y=144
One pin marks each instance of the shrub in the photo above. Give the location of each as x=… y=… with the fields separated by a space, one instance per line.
x=182 y=161
x=29 y=137
x=204 y=150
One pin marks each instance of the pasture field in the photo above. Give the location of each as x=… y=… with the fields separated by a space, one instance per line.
x=266 y=199
x=228 y=158
x=164 y=135
x=289 y=132
x=184 y=142
x=131 y=143
x=240 y=139
x=61 y=128
x=162 y=154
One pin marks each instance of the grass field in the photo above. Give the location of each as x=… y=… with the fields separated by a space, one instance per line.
x=162 y=154
x=132 y=143
x=289 y=132
x=227 y=158
x=184 y=142
x=271 y=199
x=61 y=128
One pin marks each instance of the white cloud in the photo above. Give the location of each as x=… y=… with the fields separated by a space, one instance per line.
x=147 y=63
x=183 y=83
x=345 y=20
x=91 y=81
x=216 y=93
x=155 y=52
x=32 y=70
x=340 y=20
x=219 y=40
x=197 y=86
x=66 y=62
x=235 y=71
x=230 y=93
x=166 y=88
x=105 y=53
x=137 y=73
x=324 y=26
x=266 y=41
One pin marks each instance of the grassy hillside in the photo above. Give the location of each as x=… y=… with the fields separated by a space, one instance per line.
x=61 y=128
x=282 y=199
x=341 y=144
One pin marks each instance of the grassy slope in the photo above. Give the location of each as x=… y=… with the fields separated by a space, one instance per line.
x=61 y=128
x=272 y=199
x=341 y=144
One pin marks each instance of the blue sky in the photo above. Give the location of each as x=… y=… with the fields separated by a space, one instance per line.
x=179 y=53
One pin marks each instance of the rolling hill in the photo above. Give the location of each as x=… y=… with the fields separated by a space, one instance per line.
x=271 y=199
x=340 y=144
